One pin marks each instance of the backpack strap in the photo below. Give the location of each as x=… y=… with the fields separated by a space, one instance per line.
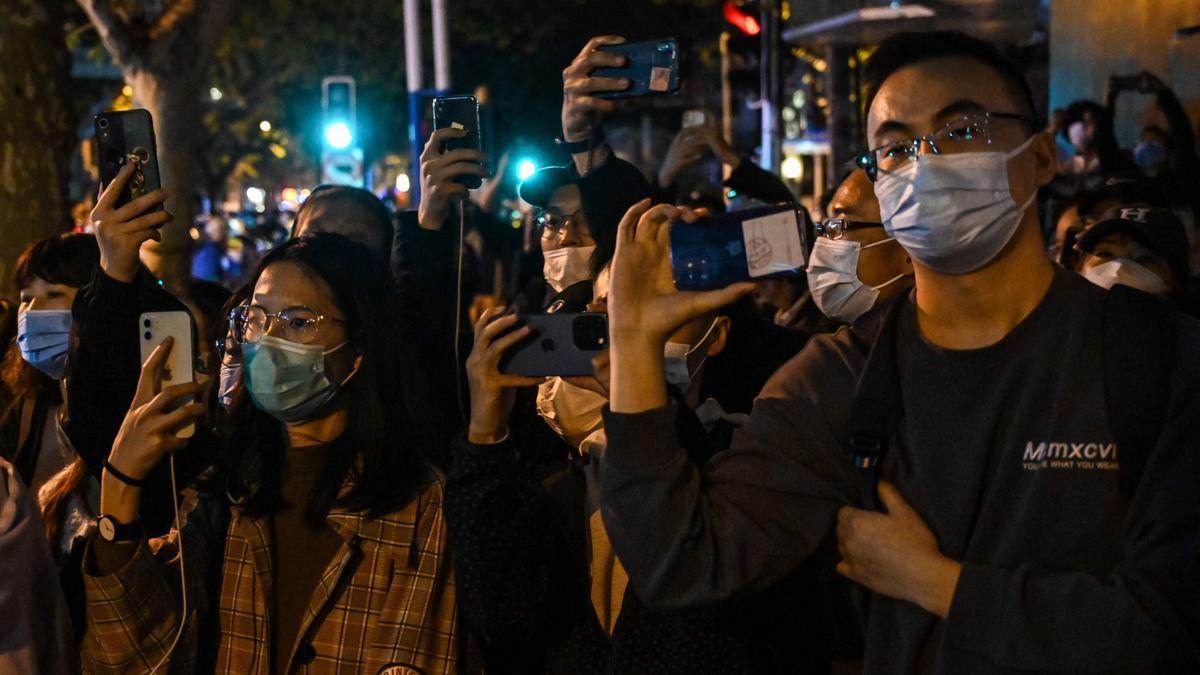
x=1139 y=333
x=877 y=407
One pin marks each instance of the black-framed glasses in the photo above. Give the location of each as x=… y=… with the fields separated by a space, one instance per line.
x=553 y=223
x=296 y=324
x=969 y=133
x=836 y=228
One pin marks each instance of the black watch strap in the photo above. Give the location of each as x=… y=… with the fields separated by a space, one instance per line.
x=112 y=530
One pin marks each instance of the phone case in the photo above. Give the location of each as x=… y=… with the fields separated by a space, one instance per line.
x=750 y=245
x=560 y=345
x=652 y=68
x=463 y=111
x=153 y=328
x=119 y=135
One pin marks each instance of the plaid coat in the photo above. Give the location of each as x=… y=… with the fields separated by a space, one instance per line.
x=385 y=604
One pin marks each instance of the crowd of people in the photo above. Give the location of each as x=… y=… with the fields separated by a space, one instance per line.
x=966 y=440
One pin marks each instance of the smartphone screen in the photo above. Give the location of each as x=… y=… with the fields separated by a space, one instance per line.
x=652 y=68
x=750 y=245
x=126 y=136
x=460 y=112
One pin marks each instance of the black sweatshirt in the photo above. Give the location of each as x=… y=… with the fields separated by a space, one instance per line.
x=1006 y=454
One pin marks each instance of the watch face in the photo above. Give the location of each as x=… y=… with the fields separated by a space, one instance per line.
x=108 y=530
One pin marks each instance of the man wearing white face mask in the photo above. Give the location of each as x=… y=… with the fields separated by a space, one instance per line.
x=995 y=473
x=854 y=264
x=1138 y=246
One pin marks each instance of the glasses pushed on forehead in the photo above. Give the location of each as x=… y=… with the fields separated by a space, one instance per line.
x=553 y=224
x=249 y=323
x=969 y=133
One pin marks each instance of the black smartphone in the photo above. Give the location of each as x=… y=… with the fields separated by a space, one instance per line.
x=460 y=112
x=652 y=68
x=751 y=245
x=559 y=345
x=123 y=137
x=1127 y=82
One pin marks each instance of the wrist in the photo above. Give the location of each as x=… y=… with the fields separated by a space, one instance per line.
x=937 y=591
x=638 y=374
x=118 y=272
x=118 y=499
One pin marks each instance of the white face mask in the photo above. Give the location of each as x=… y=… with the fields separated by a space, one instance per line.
x=1127 y=273
x=952 y=213
x=572 y=412
x=675 y=360
x=567 y=265
x=833 y=279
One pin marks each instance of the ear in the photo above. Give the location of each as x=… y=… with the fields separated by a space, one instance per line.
x=1045 y=155
x=720 y=336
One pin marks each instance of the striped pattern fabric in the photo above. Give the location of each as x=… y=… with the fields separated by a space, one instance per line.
x=385 y=602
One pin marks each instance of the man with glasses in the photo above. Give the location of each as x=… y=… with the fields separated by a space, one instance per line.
x=854 y=263
x=1008 y=504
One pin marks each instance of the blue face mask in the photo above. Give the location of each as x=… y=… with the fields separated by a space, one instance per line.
x=43 y=336
x=286 y=379
x=1150 y=156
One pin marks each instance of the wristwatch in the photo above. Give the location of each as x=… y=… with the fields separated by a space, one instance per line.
x=110 y=529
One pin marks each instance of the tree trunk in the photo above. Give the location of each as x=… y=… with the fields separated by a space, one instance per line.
x=173 y=102
x=36 y=128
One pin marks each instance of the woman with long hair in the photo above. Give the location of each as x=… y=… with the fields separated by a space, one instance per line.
x=317 y=539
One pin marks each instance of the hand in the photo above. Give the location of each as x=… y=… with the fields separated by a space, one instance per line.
x=644 y=307
x=581 y=110
x=493 y=393
x=601 y=380
x=1148 y=83
x=147 y=433
x=720 y=149
x=121 y=232
x=643 y=302
x=687 y=147
x=896 y=554
x=438 y=170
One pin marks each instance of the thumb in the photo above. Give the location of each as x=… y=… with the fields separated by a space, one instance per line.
x=150 y=380
x=892 y=500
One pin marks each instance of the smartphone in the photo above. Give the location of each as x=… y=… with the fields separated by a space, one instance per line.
x=751 y=245
x=460 y=112
x=127 y=136
x=695 y=118
x=153 y=328
x=652 y=68
x=559 y=345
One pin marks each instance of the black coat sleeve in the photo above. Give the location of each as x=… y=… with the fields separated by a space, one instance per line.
x=521 y=588
x=105 y=366
x=758 y=183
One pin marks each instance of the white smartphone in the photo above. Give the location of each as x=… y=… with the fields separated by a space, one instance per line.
x=153 y=329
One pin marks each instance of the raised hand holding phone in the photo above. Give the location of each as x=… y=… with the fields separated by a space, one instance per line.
x=439 y=168
x=492 y=392
x=582 y=108
x=121 y=231
x=644 y=307
x=148 y=432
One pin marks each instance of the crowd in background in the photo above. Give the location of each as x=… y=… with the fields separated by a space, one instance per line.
x=826 y=472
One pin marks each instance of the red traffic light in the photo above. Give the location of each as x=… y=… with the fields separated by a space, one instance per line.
x=744 y=22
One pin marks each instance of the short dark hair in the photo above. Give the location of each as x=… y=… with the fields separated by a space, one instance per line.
x=906 y=49
x=352 y=205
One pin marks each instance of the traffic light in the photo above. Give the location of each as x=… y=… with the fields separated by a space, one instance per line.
x=741 y=14
x=338 y=107
x=341 y=155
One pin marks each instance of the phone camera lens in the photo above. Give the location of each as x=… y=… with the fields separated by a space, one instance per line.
x=146 y=323
x=146 y=335
x=103 y=124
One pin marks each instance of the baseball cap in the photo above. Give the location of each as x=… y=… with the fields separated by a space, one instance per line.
x=1159 y=229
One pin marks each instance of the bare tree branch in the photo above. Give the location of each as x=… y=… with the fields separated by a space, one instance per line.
x=120 y=41
x=172 y=16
